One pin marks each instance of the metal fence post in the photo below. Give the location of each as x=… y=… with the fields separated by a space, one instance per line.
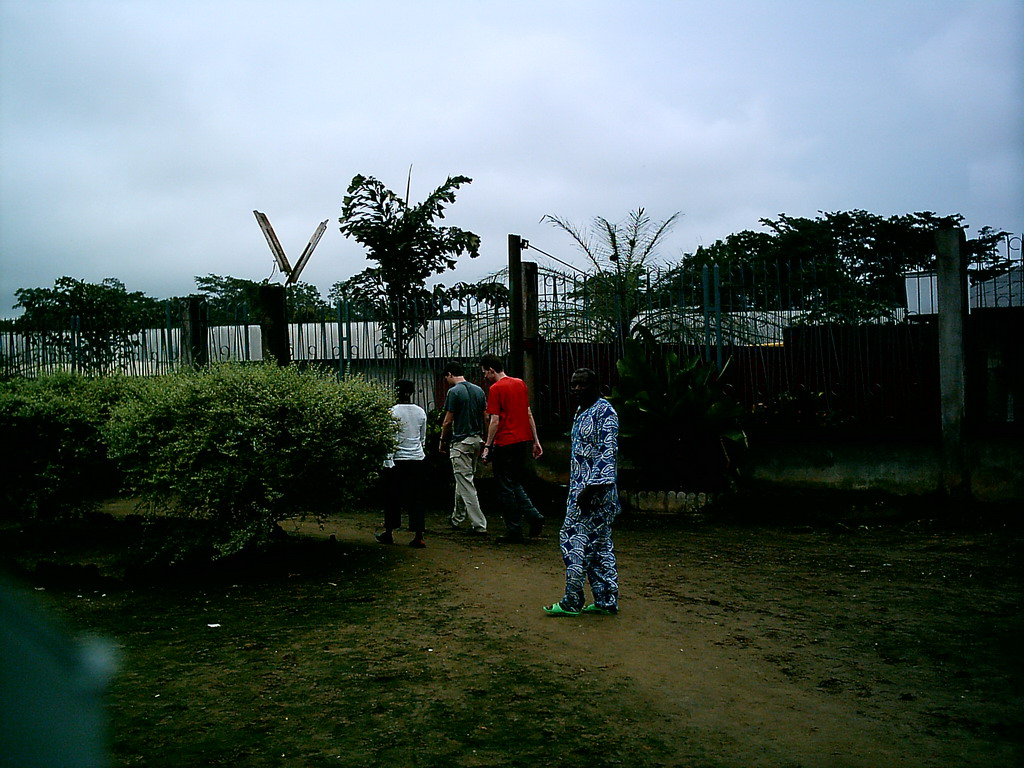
x=76 y=344
x=343 y=332
x=706 y=283
x=531 y=326
x=514 y=364
x=245 y=330
x=718 y=319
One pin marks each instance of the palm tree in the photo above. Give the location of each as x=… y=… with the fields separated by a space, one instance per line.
x=614 y=290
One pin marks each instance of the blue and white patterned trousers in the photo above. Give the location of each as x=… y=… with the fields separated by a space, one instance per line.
x=588 y=553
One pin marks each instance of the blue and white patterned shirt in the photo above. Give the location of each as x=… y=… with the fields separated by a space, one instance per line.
x=595 y=447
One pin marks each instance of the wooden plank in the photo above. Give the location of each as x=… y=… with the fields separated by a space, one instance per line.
x=272 y=241
x=307 y=252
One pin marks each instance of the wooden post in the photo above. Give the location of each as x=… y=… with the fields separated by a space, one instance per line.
x=951 y=286
x=514 y=364
x=531 y=326
x=274 y=324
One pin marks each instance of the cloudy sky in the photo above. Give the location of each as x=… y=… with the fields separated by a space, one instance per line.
x=137 y=137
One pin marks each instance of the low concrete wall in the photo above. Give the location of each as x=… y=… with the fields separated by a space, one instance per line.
x=997 y=468
x=691 y=505
x=896 y=467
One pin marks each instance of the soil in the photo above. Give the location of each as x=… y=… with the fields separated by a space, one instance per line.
x=872 y=645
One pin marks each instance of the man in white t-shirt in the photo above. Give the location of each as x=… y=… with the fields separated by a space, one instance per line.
x=403 y=469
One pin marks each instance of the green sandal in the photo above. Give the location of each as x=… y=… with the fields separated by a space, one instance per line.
x=594 y=608
x=555 y=609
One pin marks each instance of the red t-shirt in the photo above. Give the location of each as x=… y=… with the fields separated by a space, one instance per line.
x=508 y=399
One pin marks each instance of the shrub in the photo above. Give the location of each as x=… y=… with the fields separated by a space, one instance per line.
x=678 y=427
x=55 y=461
x=241 y=447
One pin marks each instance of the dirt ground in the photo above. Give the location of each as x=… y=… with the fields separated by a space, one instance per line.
x=736 y=645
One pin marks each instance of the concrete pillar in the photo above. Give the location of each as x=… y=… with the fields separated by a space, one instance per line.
x=274 y=324
x=195 y=337
x=951 y=284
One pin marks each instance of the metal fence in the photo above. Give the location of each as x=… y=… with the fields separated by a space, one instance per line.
x=792 y=339
x=797 y=345
x=75 y=345
x=461 y=331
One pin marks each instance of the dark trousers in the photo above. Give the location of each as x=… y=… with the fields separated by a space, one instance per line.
x=510 y=470
x=403 y=485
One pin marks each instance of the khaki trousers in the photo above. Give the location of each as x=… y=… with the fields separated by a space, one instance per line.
x=464 y=455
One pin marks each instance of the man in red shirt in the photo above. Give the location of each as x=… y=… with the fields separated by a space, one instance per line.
x=511 y=441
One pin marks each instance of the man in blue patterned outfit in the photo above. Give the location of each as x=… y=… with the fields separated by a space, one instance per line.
x=586 y=535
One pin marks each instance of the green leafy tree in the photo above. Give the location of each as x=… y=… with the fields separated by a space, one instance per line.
x=228 y=299
x=231 y=299
x=614 y=292
x=90 y=324
x=838 y=267
x=457 y=301
x=487 y=291
x=407 y=248
x=305 y=304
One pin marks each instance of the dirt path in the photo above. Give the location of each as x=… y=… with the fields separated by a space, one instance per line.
x=736 y=646
x=761 y=647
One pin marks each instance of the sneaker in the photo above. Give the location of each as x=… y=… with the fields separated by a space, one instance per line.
x=477 y=531
x=536 y=526
x=594 y=608
x=418 y=544
x=384 y=538
x=556 y=609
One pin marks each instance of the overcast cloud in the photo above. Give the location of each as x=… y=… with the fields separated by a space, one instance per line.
x=137 y=137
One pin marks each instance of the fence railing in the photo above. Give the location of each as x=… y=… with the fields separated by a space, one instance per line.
x=791 y=336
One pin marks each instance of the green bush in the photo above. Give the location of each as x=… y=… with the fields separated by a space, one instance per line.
x=238 y=448
x=676 y=425
x=54 y=458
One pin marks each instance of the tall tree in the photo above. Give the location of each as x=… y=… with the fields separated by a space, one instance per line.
x=408 y=248
x=837 y=267
x=620 y=254
x=92 y=323
x=230 y=298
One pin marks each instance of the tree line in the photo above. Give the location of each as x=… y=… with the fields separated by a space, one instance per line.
x=862 y=257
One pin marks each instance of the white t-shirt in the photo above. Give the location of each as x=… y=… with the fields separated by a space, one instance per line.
x=412 y=432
